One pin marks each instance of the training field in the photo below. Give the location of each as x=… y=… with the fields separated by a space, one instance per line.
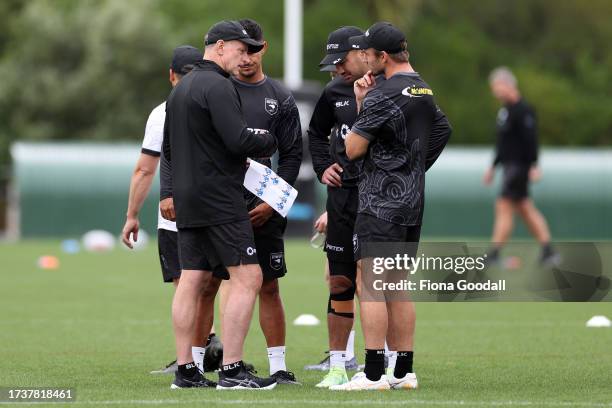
x=101 y=322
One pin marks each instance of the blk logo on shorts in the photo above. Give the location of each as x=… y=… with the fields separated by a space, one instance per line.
x=271 y=106
x=276 y=260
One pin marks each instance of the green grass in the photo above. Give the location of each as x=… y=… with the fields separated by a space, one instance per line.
x=101 y=322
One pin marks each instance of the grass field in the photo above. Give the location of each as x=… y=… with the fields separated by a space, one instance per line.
x=101 y=322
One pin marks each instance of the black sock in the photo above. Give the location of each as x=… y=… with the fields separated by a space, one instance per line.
x=403 y=364
x=493 y=254
x=374 y=364
x=232 y=369
x=187 y=370
x=547 y=250
x=209 y=339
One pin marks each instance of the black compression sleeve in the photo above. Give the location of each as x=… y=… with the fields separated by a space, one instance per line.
x=288 y=132
x=319 y=129
x=440 y=134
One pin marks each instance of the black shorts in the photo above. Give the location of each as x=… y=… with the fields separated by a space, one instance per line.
x=373 y=230
x=209 y=248
x=167 y=247
x=341 y=207
x=515 y=182
x=270 y=249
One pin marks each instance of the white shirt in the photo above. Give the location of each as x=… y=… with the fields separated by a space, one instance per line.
x=152 y=144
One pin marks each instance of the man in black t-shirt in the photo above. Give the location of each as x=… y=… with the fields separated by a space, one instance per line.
x=332 y=118
x=207 y=142
x=268 y=104
x=401 y=132
x=517 y=152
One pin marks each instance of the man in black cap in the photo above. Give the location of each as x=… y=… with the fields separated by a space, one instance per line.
x=207 y=142
x=401 y=132
x=267 y=104
x=334 y=114
x=183 y=60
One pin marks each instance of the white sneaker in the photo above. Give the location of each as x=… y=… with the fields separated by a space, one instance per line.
x=361 y=382
x=409 y=382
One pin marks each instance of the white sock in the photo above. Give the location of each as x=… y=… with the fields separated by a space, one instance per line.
x=276 y=357
x=337 y=359
x=392 y=356
x=350 y=346
x=198 y=357
x=386 y=347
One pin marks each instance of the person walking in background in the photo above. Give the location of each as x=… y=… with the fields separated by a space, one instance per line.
x=517 y=153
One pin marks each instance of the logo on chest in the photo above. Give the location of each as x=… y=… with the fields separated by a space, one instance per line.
x=271 y=106
x=342 y=104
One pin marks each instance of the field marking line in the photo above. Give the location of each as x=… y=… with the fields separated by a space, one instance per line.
x=318 y=402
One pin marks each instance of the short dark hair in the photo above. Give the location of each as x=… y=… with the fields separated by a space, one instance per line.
x=184 y=71
x=252 y=28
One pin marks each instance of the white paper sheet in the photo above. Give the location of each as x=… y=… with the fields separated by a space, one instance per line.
x=268 y=186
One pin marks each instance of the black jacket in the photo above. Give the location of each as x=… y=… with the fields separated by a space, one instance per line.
x=207 y=141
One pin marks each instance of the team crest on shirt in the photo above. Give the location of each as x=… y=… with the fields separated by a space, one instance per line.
x=271 y=106
x=276 y=260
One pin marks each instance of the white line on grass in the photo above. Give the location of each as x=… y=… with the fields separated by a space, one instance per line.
x=318 y=402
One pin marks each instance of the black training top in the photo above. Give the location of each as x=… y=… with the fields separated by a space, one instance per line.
x=332 y=119
x=268 y=105
x=407 y=133
x=517 y=138
x=207 y=141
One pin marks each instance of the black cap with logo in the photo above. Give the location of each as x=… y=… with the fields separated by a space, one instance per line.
x=338 y=45
x=231 y=30
x=183 y=56
x=382 y=36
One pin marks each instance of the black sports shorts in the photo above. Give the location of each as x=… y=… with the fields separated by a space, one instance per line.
x=515 y=182
x=211 y=247
x=167 y=247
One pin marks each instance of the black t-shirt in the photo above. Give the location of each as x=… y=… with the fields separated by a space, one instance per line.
x=207 y=141
x=332 y=119
x=407 y=133
x=517 y=139
x=269 y=105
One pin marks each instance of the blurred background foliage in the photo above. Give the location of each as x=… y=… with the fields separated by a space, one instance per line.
x=93 y=69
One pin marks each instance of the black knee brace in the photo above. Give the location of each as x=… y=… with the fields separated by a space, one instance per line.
x=341 y=287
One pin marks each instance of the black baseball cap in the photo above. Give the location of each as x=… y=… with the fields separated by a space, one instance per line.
x=382 y=36
x=183 y=56
x=338 y=44
x=231 y=30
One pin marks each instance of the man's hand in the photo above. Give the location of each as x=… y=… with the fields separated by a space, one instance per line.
x=487 y=179
x=130 y=229
x=260 y=214
x=332 y=176
x=535 y=174
x=362 y=86
x=320 y=224
x=166 y=207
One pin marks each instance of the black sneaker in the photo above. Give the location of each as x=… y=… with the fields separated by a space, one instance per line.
x=197 y=381
x=285 y=377
x=170 y=368
x=244 y=380
x=213 y=355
